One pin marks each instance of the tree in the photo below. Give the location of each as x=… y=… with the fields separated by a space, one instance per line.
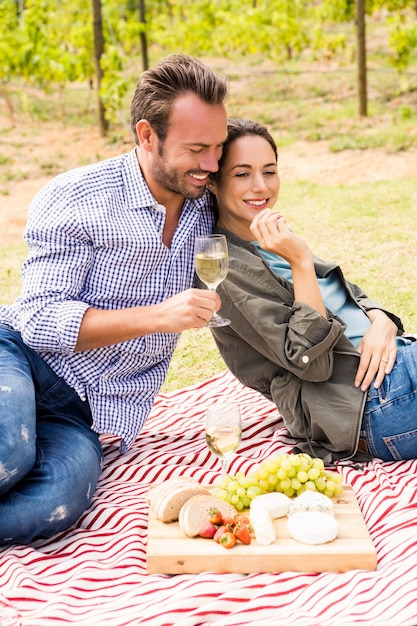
x=143 y=40
x=361 y=58
x=98 y=53
x=45 y=42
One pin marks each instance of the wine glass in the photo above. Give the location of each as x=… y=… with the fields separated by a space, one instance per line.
x=223 y=431
x=212 y=265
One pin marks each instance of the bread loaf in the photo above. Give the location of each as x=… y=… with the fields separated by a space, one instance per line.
x=166 y=499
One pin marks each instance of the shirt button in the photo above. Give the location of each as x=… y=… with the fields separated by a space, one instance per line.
x=305 y=359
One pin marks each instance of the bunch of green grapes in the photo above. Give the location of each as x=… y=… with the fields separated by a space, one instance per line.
x=288 y=473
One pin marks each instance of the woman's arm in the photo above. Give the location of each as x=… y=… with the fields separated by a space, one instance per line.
x=378 y=347
x=270 y=229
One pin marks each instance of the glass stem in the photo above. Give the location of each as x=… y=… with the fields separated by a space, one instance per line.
x=224 y=464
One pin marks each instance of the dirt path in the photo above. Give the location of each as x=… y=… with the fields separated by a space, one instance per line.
x=29 y=166
x=314 y=161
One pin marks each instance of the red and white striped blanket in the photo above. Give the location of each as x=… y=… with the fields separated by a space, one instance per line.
x=96 y=572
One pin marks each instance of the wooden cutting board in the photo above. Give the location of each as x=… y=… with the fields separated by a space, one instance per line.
x=169 y=551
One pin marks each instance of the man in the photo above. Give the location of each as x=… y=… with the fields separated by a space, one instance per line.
x=107 y=287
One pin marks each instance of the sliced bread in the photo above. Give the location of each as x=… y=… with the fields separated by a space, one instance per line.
x=195 y=512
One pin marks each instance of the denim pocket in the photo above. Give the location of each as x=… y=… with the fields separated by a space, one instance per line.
x=390 y=426
x=402 y=446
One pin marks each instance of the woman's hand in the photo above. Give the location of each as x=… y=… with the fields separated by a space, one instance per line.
x=270 y=229
x=378 y=350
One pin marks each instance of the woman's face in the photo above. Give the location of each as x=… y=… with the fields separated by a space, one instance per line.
x=247 y=183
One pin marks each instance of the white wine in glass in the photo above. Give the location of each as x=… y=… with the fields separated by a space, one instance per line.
x=223 y=431
x=211 y=266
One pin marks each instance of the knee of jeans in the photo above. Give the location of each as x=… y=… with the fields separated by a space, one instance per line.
x=51 y=504
x=17 y=457
x=17 y=427
x=68 y=502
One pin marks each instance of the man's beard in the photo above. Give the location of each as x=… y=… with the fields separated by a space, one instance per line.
x=174 y=181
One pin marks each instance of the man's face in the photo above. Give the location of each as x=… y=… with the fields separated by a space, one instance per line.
x=192 y=147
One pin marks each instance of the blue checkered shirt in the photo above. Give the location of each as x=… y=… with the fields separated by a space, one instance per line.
x=94 y=235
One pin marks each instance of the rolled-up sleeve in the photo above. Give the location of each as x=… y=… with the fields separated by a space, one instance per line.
x=309 y=343
x=51 y=307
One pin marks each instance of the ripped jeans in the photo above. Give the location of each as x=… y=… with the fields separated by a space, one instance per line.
x=389 y=425
x=50 y=459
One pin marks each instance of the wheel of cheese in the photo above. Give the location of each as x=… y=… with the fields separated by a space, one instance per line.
x=310 y=501
x=312 y=527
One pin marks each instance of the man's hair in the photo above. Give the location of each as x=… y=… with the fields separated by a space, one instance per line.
x=160 y=85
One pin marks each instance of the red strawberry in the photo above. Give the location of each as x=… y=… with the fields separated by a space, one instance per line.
x=242 y=532
x=219 y=532
x=215 y=516
x=208 y=531
x=228 y=539
x=228 y=521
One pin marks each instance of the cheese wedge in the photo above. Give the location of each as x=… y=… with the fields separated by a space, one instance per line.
x=262 y=525
x=277 y=504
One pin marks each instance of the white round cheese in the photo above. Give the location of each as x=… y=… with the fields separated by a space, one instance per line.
x=312 y=527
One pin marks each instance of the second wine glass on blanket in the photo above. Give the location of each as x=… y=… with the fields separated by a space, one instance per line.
x=223 y=431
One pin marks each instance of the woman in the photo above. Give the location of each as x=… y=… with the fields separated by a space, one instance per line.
x=333 y=360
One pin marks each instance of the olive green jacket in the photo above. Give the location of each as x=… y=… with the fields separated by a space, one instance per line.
x=288 y=352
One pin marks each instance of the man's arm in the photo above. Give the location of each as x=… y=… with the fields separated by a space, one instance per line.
x=190 y=309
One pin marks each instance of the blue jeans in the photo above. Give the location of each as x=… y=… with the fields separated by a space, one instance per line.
x=389 y=425
x=50 y=459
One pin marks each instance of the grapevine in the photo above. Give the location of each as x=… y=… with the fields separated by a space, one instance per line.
x=287 y=473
